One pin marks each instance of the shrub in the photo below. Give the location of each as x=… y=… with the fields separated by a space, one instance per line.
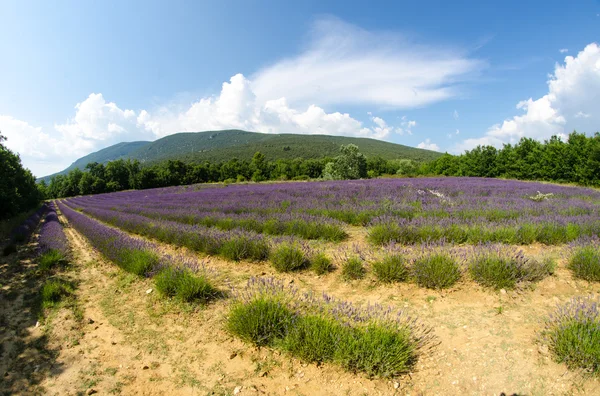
x=54 y=291
x=320 y=264
x=242 y=247
x=572 y=334
x=500 y=268
x=288 y=257
x=260 y=321
x=314 y=338
x=184 y=285
x=436 y=271
x=50 y=259
x=353 y=268
x=378 y=350
x=138 y=262
x=382 y=234
x=392 y=268
x=585 y=263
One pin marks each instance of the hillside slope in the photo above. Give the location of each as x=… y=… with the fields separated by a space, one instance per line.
x=223 y=145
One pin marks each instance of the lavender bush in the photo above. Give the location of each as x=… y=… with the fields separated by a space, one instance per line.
x=585 y=261
x=500 y=267
x=572 y=334
x=374 y=340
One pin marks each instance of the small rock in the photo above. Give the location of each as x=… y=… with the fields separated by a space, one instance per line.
x=145 y=368
x=264 y=373
x=237 y=390
x=543 y=349
x=91 y=321
x=91 y=391
x=37 y=324
x=113 y=342
x=396 y=385
x=148 y=291
x=233 y=355
x=502 y=291
x=6 y=373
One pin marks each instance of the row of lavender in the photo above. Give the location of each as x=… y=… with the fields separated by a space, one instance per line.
x=430 y=265
x=53 y=246
x=460 y=210
x=266 y=311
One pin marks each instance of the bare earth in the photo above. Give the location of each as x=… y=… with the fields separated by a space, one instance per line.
x=130 y=341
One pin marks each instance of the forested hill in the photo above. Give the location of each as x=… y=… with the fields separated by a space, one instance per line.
x=217 y=146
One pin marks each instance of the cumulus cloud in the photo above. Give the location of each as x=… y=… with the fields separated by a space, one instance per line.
x=428 y=145
x=572 y=103
x=341 y=65
x=344 y=64
x=98 y=123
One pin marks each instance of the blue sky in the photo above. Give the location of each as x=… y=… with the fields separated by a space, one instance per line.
x=79 y=76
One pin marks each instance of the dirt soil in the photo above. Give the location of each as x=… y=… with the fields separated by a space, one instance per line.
x=127 y=340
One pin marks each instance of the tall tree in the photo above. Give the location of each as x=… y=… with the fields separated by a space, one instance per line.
x=18 y=191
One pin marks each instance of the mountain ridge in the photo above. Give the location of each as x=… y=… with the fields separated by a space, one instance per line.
x=226 y=144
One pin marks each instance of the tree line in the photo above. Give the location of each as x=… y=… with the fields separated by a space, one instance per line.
x=574 y=160
x=131 y=174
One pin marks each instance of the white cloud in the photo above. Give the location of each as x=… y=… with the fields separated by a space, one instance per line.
x=563 y=50
x=455 y=115
x=344 y=64
x=98 y=123
x=341 y=65
x=428 y=145
x=572 y=103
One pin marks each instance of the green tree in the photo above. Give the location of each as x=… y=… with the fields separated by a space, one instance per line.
x=18 y=191
x=350 y=164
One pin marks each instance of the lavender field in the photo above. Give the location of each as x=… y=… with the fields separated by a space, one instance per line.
x=408 y=211
x=412 y=237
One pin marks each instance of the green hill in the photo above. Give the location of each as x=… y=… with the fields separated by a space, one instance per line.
x=223 y=145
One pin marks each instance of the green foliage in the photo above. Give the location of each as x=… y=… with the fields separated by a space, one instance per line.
x=407 y=167
x=244 y=248
x=572 y=334
x=51 y=259
x=585 y=263
x=436 y=271
x=353 y=268
x=54 y=290
x=320 y=264
x=184 y=285
x=502 y=272
x=138 y=262
x=260 y=321
x=18 y=191
x=287 y=257
x=378 y=350
x=350 y=164
x=314 y=338
x=392 y=268
x=576 y=160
